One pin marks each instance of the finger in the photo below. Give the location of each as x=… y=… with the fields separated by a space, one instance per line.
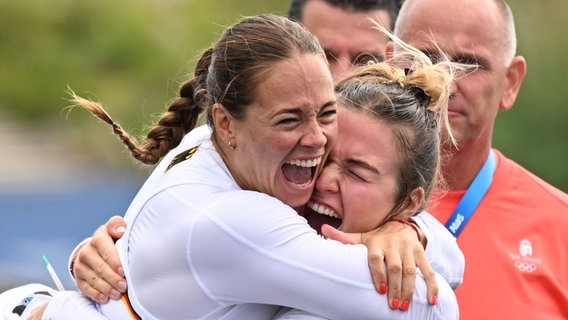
x=378 y=269
x=98 y=296
x=115 y=227
x=84 y=276
x=91 y=266
x=345 y=238
x=103 y=243
x=394 y=276
x=430 y=278
x=408 y=280
x=91 y=282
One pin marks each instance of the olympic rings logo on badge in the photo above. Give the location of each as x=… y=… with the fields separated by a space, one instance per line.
x=525 y=267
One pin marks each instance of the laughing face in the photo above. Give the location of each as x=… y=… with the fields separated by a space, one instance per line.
x=288 y=130
x=357 y=185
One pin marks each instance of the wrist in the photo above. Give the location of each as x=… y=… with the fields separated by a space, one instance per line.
x=417 y=230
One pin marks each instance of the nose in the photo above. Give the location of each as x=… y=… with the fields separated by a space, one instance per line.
x=327 y=180
x=454 y=86
x=314 y=135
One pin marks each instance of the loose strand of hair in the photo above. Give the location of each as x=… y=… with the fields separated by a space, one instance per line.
x=98 y=111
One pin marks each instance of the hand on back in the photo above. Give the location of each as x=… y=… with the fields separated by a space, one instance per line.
x=96 y=266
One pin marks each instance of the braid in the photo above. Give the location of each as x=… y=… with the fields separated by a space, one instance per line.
x=182 y=114
x=180 y=118
x=97 y=110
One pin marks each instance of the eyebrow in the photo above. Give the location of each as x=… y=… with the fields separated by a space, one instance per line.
x=299 y=111
x=293 y=110
x=435 y=56
x=362 y=164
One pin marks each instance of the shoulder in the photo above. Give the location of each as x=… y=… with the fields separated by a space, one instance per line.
x=193 y=138
x=518 y=179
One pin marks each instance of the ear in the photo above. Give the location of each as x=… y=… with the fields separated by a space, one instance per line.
x=514 y=76
x=416 y=200
x=389 y=50
x=223 y=123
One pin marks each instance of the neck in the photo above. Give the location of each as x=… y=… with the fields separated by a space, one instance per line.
x=461 y=166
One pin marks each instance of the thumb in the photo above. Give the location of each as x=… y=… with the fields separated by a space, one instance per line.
x=115 y=227
x=334 y=234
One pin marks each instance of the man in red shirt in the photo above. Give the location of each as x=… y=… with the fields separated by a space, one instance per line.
x=510 y=224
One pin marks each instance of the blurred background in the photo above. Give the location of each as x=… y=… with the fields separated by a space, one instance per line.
x=63 y=173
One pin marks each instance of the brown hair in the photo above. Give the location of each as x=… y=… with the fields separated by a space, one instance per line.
x=227 y=73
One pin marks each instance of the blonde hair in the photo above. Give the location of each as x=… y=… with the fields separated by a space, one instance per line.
x=411 y=94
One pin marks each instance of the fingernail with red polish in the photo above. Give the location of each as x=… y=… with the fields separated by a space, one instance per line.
x=383 y=288
x=405 y=305
x=395 y=304
x=434 y=300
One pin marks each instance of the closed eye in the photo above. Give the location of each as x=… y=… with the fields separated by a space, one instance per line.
x=357 y=176
x=287 y=121
x=329 y=112
x=361 y=170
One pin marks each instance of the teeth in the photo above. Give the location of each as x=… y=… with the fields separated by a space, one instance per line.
x=323 y=210
x=307 y=183
x=305 y=163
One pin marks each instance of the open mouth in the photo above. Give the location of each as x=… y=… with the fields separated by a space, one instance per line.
x=317 y=215
x=323 y=210
x=301 y=173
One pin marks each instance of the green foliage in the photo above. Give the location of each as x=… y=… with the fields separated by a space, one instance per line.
x=534 y=132
x=132 y=54
x=128 y=52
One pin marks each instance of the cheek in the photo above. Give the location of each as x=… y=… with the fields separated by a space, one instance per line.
x=330 y=131
x=272 y=150
x=480 y=86
x=365 y=206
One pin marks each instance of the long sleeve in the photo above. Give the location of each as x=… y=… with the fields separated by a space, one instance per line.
x=71 y=305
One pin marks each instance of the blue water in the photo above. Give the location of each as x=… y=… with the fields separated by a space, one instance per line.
x=51 y=223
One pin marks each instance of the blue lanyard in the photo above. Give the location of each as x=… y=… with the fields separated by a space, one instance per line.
x=472 y=197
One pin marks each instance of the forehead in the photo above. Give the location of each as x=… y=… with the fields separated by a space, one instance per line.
x=462 y=27
x=302 y=80
x=364 y=136
x=339 y=29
